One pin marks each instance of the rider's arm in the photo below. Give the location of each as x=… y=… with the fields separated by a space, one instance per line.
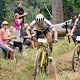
x=32 y=23
x=52 y=28
x=55 y=34
x=72 y=31
x=74 y=27
x=48 y=23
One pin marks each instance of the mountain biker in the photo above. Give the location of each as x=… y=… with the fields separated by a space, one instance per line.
x=76 y=29
x=41 y=26
x=70 y=23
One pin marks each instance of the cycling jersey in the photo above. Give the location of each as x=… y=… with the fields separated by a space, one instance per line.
x=44 y=26
x=77 y=27
x=70 y=24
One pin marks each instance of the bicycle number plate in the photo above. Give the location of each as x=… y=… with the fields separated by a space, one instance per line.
x=78 y=38
x=42 y=40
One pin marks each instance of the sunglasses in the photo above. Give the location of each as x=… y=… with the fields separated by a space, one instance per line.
x=5 y=24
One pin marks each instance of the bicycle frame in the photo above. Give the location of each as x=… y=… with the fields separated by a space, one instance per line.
x=41 y=58
x=42 y=47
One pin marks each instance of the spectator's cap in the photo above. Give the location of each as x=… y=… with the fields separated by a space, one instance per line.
x=4 y=23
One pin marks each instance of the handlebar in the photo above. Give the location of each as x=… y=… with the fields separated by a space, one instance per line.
x=66 y=27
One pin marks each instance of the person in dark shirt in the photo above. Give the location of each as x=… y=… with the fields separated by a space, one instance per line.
x=19 y=9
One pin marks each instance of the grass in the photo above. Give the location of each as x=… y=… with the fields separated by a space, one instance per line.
x=23 y=69
x=62 y=47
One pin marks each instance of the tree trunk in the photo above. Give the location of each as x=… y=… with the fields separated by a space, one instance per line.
x=57 y=11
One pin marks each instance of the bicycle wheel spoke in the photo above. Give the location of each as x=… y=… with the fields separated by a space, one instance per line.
x=75 y=59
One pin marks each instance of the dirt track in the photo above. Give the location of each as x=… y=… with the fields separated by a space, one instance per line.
x=64 y=68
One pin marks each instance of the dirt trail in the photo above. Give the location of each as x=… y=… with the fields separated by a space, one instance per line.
x=64 y=68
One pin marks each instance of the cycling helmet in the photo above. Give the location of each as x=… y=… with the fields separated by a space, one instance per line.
x=39 y=18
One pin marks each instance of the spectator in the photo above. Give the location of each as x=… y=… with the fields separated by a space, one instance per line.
x=4 y=39
x=13 y=42
x=20 y=11
x=26 y=34
x=17 y=23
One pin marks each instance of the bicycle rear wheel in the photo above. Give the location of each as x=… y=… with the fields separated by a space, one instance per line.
x=75 y=58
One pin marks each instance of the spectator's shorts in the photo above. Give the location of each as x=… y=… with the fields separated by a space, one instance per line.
x=4 y=48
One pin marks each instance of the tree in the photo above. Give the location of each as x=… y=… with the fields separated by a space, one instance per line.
x=2 y=10
x=57 y=11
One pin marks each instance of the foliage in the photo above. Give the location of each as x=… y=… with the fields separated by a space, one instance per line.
x=71 y=6
x=2 y=10
x=23 y=69
x=32 y=7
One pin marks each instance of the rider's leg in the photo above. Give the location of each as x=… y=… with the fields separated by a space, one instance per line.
x=49 y=37
x=55 y=35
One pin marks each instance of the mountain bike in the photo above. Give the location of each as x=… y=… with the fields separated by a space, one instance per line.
x=41 y=65
x=76 y=55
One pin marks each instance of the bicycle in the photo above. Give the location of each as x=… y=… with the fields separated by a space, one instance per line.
x=76 y=55
x=41 y=65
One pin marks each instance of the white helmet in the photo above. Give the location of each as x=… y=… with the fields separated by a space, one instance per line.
x=39 y=18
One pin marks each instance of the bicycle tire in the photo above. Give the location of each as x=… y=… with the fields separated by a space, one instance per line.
x=38 y=69
x=75 y=59
x=37 y=63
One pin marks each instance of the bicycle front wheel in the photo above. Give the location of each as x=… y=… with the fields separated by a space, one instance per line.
x=41 y=63
x=75 y=58
x=37 y=64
